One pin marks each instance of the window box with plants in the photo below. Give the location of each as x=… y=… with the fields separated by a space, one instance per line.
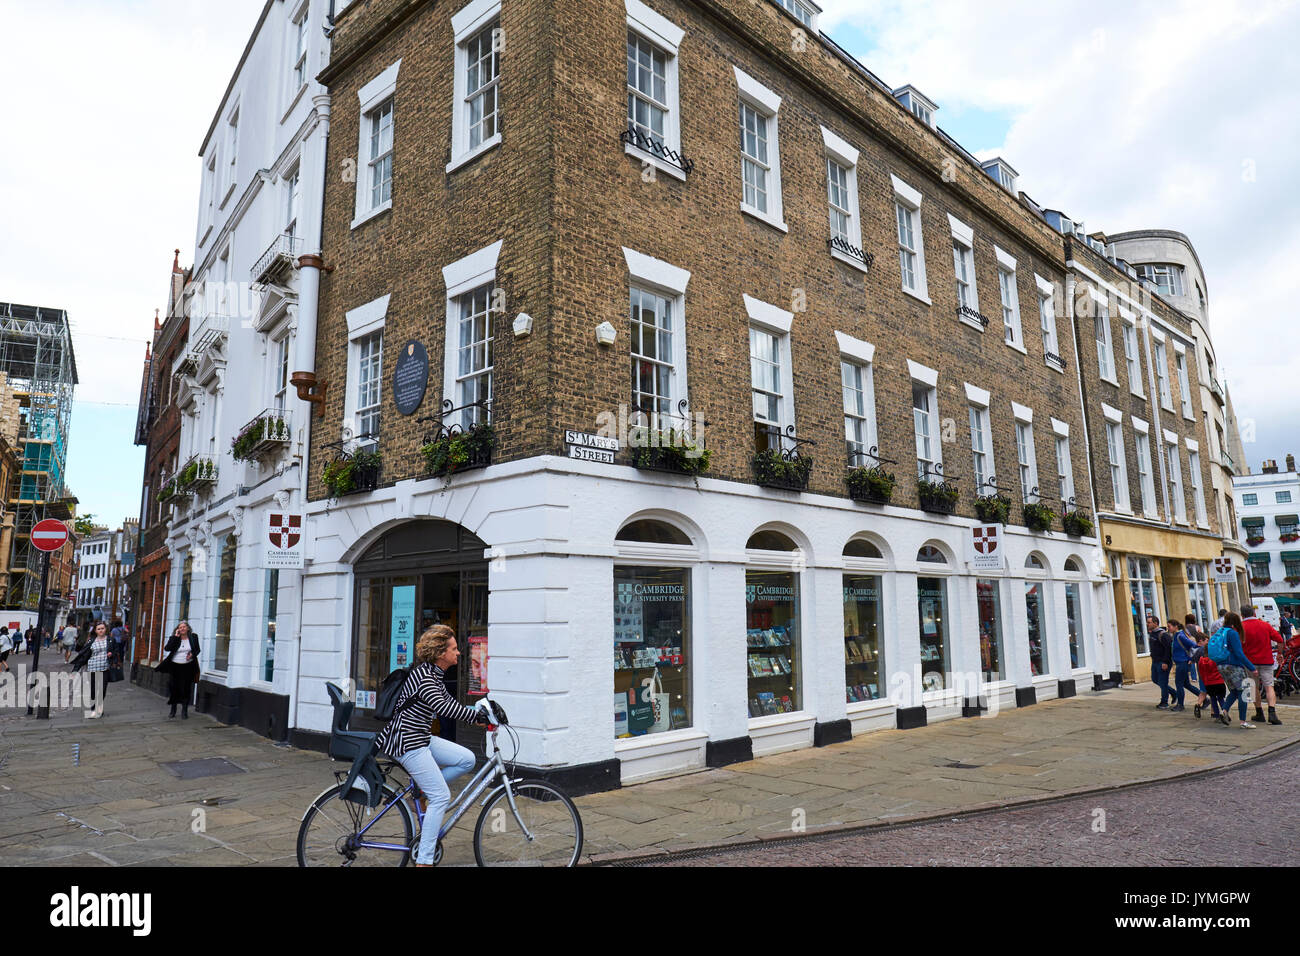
x=1289 y=537
x=993 y=509
x=266 y=433
x=1038 y=517
x=350 y=474
x=1254 y=540
x=1077 y=524
x=671 y=451
x=453 y=450
x=790 y=470
x=873 y=485
x=197 y=474
x=1261 y=582
x=1292 y=579
x=938 y=498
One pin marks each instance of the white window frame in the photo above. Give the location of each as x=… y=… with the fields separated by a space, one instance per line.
x=299 y=41
x=980 y=418
x=662 y=33
x=232 y=150
x=1133 y=363
x=839 y=152
x=1198 y=489
x=805 y=13
x=1047 y=322
x=963 y=246
x=1149 y=273
x=282 y=349
x=1101 y=311
x=1007 y=284
x=362 y=322
x=1146 y=474
x=1117 y=458
x=1162 y=372
x=861 y=355
x=1064 y=464
x=466 y=274
x=373 y=95
x=210 y=195
x=1174 y=467
x=466 y=24
x=664 y=279
x=928 y=378
x=293 y=200
x=771 y=318
x=909 y=199
x=1184 y=382
x=1026 y=454
x=764 y=102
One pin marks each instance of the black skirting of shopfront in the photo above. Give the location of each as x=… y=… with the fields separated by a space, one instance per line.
x=255 y=710
x=720 y=753
x=909 y=718
x=1065 y=688
x=1026 y=696
x=832 y=732
x=142 y=675
x=974 y=707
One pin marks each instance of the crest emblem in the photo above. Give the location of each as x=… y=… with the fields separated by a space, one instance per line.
x=986 y=539
x=285 y=530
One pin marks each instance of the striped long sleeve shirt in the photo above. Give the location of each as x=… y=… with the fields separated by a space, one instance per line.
x=428 y=697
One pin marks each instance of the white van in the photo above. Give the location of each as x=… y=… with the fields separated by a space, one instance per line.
x=1266 y=610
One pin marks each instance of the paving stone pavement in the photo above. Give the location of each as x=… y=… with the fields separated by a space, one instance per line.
x=115 y=804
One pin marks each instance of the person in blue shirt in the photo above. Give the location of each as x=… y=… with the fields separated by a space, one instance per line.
x=1236 y=673
x=1182 y=649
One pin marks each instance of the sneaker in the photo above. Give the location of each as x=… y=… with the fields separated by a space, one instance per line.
x=1247 y=725
x=1223 y=719
x=1162 y=706
x=1197 y=711
x=1178 y=707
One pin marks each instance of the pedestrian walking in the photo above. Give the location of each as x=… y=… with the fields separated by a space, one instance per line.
x=1258 y=638
x=1225 y=650
x=1213 y=688
x=1181 y=649
x=181 y=662
x=1158 y=643
x=6 y=645
x=96 y=658
x=30 y=637
x=69 y=642
x=45 y=637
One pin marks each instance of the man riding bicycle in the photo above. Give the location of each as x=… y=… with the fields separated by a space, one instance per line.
x=431 y=761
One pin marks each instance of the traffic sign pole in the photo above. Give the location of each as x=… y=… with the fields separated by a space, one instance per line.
x=48 y=535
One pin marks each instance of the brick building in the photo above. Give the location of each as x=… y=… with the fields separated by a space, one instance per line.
x=801 y=273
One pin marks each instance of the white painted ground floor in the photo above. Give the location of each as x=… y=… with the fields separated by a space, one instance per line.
x=640 y=624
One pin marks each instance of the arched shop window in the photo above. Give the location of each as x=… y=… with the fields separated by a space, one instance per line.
x=933 y=623
x=864 y=662
x=652 y=628
x=1142 y=594
x=772 y=624
x=1035 y=612
x=1074 y=613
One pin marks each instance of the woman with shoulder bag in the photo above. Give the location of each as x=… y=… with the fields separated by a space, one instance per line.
x=181 y=661
x=95 y=657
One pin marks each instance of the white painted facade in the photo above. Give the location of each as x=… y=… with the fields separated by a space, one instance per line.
x=1261 y=500
x=262 y=181
x=550 y=524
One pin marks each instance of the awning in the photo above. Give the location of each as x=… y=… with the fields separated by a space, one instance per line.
x=1258 y=559
x=1253 y=522
x=1286 y=519
x=1291 y=555
x=1287 y=600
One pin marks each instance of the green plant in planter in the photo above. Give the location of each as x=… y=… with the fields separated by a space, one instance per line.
x=937 y=496
x=1077 y=524
x=673 y=449
x=340 y=475
x=187 y=476
x=993 y=509
x=874 y=483
x=449 y=452
x=1038 y=517
x=246 y=441
x=167 y=492
x=772 y=469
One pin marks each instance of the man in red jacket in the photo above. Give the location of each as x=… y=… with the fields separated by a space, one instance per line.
x=1258 y=647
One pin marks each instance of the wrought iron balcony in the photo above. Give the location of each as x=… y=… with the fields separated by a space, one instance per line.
x=1217 y=390
x=269 y=432
x=352 y=471
x=453 y=446
x=197 y=474
x=1056 y=360
x=634 y=137
x=937 y=491
x=674 y=443
x=780 y=463
x=966 y=312
x=866 y=478
x=277 y=262
x=211 y=330
x=844 y=247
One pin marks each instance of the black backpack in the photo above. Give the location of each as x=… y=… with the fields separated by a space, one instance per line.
x=386 y=706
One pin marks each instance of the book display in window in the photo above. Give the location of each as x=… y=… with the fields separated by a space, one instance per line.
x=862 y=623
x=932 y=607
x=771 y=641
x=651 y=650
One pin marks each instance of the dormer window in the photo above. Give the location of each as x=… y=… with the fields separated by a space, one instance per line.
x=803 y=11
x=1165 y=279
x=1002 y=173
x=920 y=106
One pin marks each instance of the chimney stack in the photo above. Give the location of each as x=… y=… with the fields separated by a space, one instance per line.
x=1270 y=467
x=1290 y=463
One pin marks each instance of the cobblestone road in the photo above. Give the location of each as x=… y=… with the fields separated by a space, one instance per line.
x=1245 y=816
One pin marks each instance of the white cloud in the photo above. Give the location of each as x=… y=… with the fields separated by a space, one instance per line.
x=1140 y=115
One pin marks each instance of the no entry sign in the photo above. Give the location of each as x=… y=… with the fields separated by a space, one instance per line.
x=49 y=535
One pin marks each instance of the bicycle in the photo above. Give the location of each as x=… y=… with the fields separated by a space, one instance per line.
x=522 y=823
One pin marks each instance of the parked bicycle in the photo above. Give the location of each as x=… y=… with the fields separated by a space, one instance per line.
x=365 y=820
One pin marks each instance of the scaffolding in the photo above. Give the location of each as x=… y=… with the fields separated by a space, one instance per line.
x=36 y=355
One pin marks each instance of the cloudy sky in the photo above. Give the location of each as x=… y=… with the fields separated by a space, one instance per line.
x=1123 y=113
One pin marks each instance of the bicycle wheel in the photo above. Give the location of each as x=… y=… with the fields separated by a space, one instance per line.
x=330 y=831
x=550 y=817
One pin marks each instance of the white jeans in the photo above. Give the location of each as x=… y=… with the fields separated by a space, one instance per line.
x=433 y=767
